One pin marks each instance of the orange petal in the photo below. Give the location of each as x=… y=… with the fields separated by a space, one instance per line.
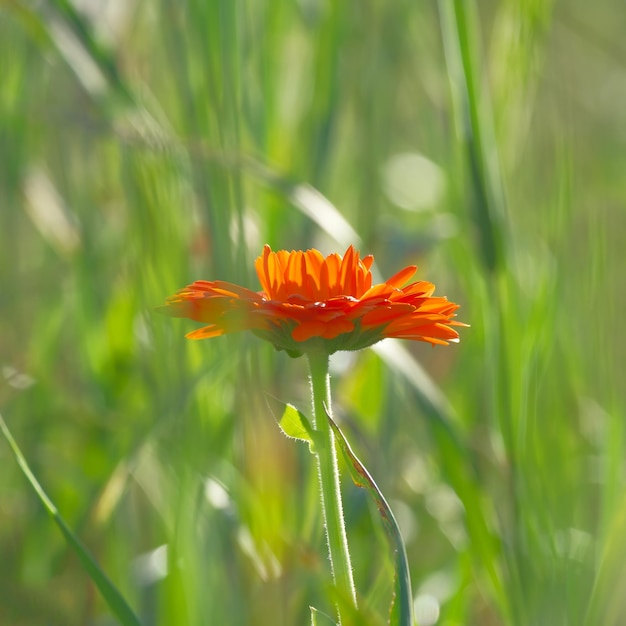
x=419 y=288
x=384 y=314
x=306 y=330
x=333 y=267
x=313 y=261
x=347 y=272
x=262 y=269
x=337 y=327
x=402 y=277
x=206 y=332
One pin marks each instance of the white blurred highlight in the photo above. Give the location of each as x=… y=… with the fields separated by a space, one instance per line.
x=427 y=609
x=151 y=567
x=413 y=182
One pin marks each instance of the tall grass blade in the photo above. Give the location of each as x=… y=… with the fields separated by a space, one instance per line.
x=116 y=602
x=472 y=112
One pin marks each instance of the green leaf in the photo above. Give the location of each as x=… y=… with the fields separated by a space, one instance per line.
x=118 y=605
x=296 y=426
x=325 y=617
x=402 y=607
x=313 y=616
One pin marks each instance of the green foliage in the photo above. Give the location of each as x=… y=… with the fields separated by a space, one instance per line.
x=111 y=595
x=401 y=612
x=295 y=425
x=145 y=145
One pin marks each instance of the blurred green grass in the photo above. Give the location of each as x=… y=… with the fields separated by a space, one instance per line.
x=144 y=145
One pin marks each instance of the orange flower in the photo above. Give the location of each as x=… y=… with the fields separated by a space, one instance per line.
x=314 y=303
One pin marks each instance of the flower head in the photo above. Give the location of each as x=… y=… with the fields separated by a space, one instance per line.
x=312 y=303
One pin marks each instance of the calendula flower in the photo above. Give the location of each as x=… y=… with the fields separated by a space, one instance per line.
x=311 y=303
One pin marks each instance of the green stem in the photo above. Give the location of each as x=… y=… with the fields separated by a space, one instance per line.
x=328 y=472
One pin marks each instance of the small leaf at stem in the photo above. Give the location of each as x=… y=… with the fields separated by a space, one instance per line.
x=296 y=426
x=401 y=613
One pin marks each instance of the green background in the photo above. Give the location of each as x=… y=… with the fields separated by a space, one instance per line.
x=147 y=144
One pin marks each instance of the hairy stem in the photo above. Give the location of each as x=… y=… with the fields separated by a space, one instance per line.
x=328 y=472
